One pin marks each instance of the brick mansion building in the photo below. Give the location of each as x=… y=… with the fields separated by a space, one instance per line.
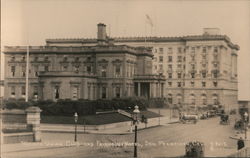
x=189 y=70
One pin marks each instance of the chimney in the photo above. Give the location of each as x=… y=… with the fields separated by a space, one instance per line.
x=211 y=31
x=101 y=33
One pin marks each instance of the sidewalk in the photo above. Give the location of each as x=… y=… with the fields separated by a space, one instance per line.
x=115 y=130
x=49 y=144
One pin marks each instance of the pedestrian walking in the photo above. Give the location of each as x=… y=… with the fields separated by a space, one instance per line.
x=240 y=143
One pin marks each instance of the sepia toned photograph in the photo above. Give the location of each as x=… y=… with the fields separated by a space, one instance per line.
x=124 y=78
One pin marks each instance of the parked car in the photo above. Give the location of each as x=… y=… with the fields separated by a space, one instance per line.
x=189 y=118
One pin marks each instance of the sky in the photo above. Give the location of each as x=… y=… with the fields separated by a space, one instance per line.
x=33 y=21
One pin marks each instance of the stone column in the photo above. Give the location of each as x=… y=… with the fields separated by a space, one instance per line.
x=33 y=120
x=139 y=89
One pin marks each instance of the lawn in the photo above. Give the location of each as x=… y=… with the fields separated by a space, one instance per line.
x=98 y=119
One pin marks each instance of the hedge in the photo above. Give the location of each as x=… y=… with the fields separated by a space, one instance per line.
x=82 y=107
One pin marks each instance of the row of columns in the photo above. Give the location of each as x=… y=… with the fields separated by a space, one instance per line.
x=156 y=89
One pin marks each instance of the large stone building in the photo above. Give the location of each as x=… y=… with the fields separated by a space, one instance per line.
x=101 y=71
x=199 y=70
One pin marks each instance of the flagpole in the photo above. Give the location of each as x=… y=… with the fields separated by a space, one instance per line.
x=27 y=76
x=145 y=32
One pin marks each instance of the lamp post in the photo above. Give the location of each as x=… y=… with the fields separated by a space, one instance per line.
x=246 y=122
x=136 y=112
x=76 y=118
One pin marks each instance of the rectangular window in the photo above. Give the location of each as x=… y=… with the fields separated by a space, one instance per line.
x=103 y=92
x=36 y=70
x=161 y=67
x=13 y=91
x=56 y=91
x=23 y=71
x=23 y=91
x=204 y=56
x=179 y=75
x=76 y=67
x=169 y=75
x=170 y=67
x=117 y=70
x=179 y=58
x=215 y=49
x=64 y=68
x=89 y=69
x=204 y=50
x=75 y=92
x=193 y=58
x=179 y=50
x=179 y=66
x=117 y=92
x=192 y=75
x=203 y=84
x=35 y=58
x=192 y=66
x=193 y=50
x=170 y=50
x=161 y=50
x=178 y=84
x=215 y=84
x=192 y=84
x=160 y=58
x=89 y=91
x=170 y=58
x=103 y=71
x=35 y=92
x=46 y=68
x=169 y=84
x=215 y=75
x=204 y=75
x=13 y=70
x=46 y=58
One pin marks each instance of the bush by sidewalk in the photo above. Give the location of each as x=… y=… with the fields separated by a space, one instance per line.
x=82 y=107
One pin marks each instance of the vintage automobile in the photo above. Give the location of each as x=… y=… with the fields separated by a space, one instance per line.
x=189 y=118
x=224 y=119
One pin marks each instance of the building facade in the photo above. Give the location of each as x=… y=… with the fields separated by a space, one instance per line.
x=199 y=70
x=101 y=71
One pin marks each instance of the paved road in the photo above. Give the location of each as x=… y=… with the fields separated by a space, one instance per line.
x=167 y=141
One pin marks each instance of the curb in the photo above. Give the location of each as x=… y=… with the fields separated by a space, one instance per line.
x=42 y=148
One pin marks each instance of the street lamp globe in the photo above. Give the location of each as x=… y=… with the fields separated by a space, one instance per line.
x=245 y=115
x=76 y=116
x=136 y=110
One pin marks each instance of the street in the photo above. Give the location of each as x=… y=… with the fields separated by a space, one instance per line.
x=163 y=141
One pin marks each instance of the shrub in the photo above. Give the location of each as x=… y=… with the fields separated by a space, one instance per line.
x=82 y=107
